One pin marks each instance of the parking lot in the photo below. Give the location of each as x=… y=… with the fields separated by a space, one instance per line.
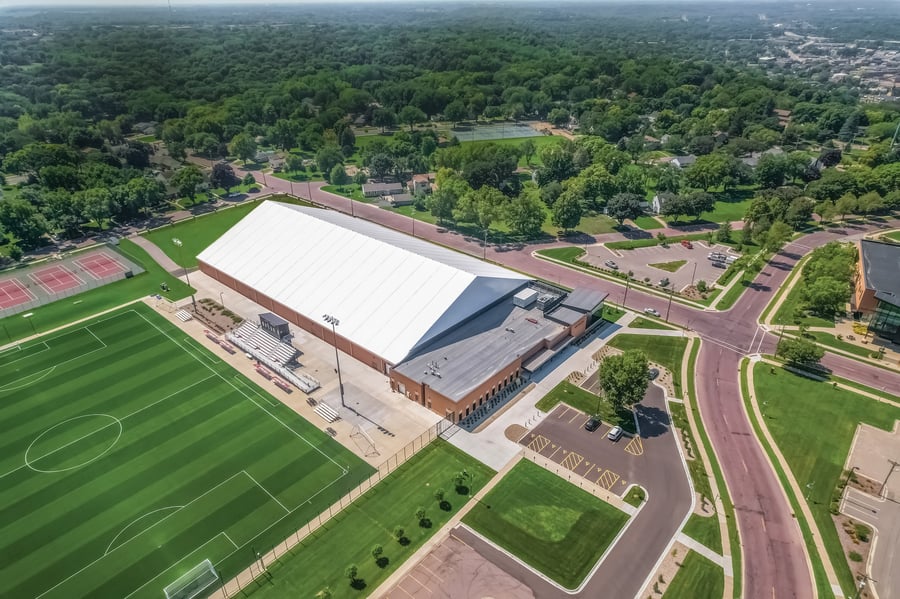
x=638 y=261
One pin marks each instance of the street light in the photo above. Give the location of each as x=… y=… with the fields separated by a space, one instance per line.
x=222 y=299
x=178 y=243
x=669 y=306
x=30 y=321
x=334 y=322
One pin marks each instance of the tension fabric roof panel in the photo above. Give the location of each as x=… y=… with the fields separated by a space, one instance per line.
x=391 y=293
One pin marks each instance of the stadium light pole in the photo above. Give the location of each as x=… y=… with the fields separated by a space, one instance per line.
x=178 y=243
x=334 y=322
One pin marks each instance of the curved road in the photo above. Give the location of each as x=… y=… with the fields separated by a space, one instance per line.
x=775 y=562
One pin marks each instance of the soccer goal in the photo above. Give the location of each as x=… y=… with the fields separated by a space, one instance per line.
x=194 y=582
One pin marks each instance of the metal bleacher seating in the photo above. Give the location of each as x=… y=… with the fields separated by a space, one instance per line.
x=183 y=315
x=266 y=345
x=327 y=413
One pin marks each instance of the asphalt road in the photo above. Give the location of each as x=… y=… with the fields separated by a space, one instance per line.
x=659 y=469
x=774 y=559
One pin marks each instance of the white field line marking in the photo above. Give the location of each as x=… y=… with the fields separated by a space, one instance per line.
x=138 y=519
x=27 y=382
x=85 y=436
x=343 y=468
x=250 y=476
x=104 y=346
x=182 y=558
x=194 y=345
x=236 y=546
x=253 y=391
x=88 y=329
x=19 y=347
x=131 y=539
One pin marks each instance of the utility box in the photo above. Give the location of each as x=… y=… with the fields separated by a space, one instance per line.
x=525 y=298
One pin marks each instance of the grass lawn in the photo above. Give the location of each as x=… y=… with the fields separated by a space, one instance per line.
x=567 y=254
x=706 y=530
x=633 y=244
x=611 y=313
x=587 y=402
x=596 y=224
x=697 y=578
x=895 y=236
x=646 y=323
x=198 y=233
x=547 y=522
x=732 y=295
x=635 y=496
x=647 y=223
x=145 y=454
x=790 y=306
x=319 y=561
x=64 y=311
x=350 y=190
x=695 y=466
x=540 y=142
x=816 y=454
x=829 y=340
x=667 y=351
x=669 y=266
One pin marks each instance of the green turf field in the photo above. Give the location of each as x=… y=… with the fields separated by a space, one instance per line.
x=129 y=454
x=697 y=578
x=547 y=522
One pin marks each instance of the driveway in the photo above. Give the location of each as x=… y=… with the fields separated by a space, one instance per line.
x=657 y=467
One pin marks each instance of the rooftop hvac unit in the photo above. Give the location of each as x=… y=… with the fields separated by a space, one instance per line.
x=525 y=298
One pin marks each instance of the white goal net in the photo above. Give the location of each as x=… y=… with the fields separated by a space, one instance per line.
x=193 y=582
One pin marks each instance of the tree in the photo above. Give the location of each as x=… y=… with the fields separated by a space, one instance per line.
x=777 y=235
x=439 y=495
x=624 y=378
x=97 y=204
x=243 y=146
x=826 y=296
x=624 y=206
x=441 y=204
x=187 y=179
x=456 y=111
x=525 y=214
x=145 y=193
x=327 y=157
x=420 y=516
x=337 y=175
x=410 y=115
x=481 y=206
x=223 y=176
x=283 y=134
x=698 y=202
x=799 y=352
x=527 y=150
x=723 y=233
x=293 y=163
x=24 y=221
x=399 y=533
x=380 y=165
x=567 y=212
x=325 y=593
x=350 y=572
x=847 y=204
x=377 y=552
x=771 y=170
x=383 y=118
x=248 y=179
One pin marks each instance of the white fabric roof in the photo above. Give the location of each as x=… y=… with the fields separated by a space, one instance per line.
x=392 y=293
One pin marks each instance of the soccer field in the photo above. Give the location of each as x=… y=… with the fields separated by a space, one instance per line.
x=130 y=454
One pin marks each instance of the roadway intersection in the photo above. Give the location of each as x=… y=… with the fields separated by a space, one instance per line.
x=774 y=562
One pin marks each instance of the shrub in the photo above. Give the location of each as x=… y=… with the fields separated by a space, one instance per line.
x=854 y=556
x=701 y=286
x=862 y=532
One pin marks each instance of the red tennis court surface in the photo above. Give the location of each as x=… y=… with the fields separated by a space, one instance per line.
x=55 y=279
x=12 y=293
x=100 y=265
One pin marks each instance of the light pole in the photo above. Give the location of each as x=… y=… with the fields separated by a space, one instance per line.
x=693 y=274
x=334 y=322
x=627 y=283
x=222 y=299
x=669 y=306
x=894 y=464
x=30 y=321
x=484 y=255
x=308 y=189
x=178 y=243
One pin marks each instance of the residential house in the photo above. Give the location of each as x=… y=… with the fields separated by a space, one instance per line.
x=374 y=190
x=400 y=199
x=421 y=184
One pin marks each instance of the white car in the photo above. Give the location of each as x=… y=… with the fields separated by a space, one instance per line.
x=651 y=312
x=615 y=433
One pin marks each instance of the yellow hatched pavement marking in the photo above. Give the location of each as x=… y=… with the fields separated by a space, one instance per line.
x=539 y=443
x=635 y=447
x=572 y=460
x=607 y=479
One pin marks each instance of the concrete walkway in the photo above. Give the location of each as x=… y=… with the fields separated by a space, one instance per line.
x=158 y=255
x=706 y=552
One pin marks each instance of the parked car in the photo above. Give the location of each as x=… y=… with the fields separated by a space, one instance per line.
x=592 y=425
x=651 y=312
x=719 y=264
x=611 y=264
x=652 y=373
x=716 y=256
x=615 y=433
x=687 y=244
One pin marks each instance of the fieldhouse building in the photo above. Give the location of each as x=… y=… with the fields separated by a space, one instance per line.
x=876 y=294
x=449 y=330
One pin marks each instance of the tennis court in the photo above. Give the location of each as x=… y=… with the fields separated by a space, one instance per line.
x=13 y=293
x=131 y=455
x=61 y=277
x=470 y=132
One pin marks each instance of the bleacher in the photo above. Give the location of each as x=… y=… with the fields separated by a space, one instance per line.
x=327 y=413
x=183 y=315
x=272 y=353
x=264 y=344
